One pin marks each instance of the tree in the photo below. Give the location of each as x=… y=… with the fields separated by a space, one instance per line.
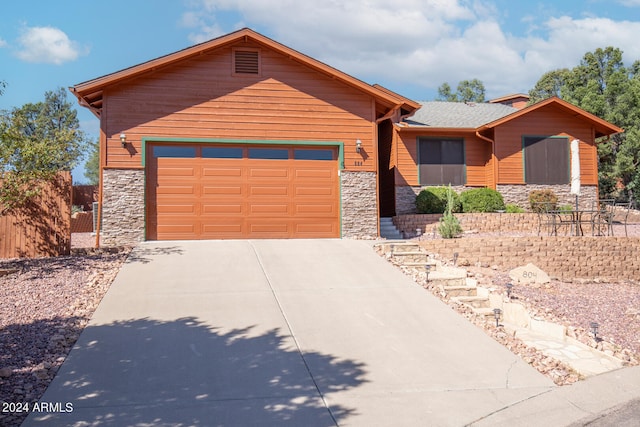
x=92 y=165
x=467 y=91
x=549 y=85
x=3 y=85
x=36 y=141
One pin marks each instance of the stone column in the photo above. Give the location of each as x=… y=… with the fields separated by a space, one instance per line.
x=122 y=207
x=359 y=205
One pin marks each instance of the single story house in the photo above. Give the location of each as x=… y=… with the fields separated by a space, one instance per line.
x=243 y=137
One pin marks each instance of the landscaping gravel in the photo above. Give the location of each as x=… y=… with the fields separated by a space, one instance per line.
x=44 y=305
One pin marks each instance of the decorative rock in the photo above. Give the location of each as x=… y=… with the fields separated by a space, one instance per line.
x=5 y=372
x=529 y=274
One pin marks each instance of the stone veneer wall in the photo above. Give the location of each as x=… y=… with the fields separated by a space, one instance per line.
x=359 y=205
x=511 y=194
x=122 y=207
x=563 y=257
x=519 y=194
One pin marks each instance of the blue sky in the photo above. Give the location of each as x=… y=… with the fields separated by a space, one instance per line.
x=412 y=48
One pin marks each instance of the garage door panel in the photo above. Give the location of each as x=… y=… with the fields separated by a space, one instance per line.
x=263 y=190
x=211 y=196
x=231 y=173
x=176 y=209
x=222 y=209
x=314 y=174
x=269 y=209
x=323 y=210
x=169 y=190
x=304 y=190
x=222 y=190
x=268 y=173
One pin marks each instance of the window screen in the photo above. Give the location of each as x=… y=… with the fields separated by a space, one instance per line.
x=441 y=161
x=546 y=160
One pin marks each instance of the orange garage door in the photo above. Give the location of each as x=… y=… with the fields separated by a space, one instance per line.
x=231 y=192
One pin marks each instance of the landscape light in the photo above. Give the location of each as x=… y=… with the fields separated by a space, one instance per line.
x=496 y=314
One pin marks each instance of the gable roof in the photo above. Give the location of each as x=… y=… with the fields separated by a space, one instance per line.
x=89 y=93
x=470 y=115
x=601 y=127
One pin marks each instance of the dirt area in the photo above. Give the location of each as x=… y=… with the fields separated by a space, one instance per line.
x=44 y=305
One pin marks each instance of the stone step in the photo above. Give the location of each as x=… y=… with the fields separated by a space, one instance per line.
x=420 y=266
x=414 y=257
x=400 y=247
x=460 y=291
x=487 y=312
x=473 y=301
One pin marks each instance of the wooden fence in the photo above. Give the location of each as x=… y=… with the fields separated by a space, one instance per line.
x=43 y=227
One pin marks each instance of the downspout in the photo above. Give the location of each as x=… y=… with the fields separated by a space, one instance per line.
x=493 y=158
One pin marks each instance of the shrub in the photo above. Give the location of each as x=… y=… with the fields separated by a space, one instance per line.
x=514 y=209
x=449 y=225
x=481 y=200
x=541 y=200
x=433 y=200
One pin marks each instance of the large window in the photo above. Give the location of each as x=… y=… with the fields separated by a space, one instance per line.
x=546 y=160
x=441 y=161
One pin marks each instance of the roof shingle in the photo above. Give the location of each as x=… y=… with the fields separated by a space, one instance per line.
x=442 y=114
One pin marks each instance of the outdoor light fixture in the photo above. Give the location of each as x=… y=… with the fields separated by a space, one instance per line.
x=123 y=139
x=509 y=289
x=427 y=269
x=455 y=258
x=594 y=330
x=358 y=146
x=496 y=314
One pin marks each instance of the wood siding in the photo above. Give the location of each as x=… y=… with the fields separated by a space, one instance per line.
x=201 y=98
x=43 y=227
x=477 y=158
x=548 y=121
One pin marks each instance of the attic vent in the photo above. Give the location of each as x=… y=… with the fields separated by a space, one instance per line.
x=246 y=62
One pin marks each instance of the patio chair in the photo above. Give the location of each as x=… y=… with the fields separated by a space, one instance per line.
x=547 y=219
x=621 y=214
x=602 y=218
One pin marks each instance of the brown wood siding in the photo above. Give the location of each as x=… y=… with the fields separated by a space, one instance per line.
x=200 y=98
x=43 y=227
x=544 y=122
x=477 y=157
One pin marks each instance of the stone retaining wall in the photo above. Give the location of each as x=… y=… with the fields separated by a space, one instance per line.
x=122 y=207
x=519 y=194
x=481 y=222
x=359 y=205
x=562 y=257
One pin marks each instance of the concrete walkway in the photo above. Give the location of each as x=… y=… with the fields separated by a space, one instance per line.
x=290 y=332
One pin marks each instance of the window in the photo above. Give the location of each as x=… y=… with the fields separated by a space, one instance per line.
x=269 y=153
x=546 y=160
x=313 y=154
x=246 y=61
x=222 y=152
x=441 y=161
x=173 y=151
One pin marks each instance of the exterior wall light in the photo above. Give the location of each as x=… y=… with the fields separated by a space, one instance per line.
x=358 y=146
x=123 y=140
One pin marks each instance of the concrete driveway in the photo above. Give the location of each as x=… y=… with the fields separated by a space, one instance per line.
x=279 y=332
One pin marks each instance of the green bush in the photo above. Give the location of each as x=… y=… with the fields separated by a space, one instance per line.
x=514 y=209
x=433 y=200
x=481 y=200
x=449 y=226
x=541 y=200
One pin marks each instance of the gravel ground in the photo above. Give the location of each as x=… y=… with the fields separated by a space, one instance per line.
x=44 y=305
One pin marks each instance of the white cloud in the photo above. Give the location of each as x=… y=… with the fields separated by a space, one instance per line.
x=2 y=43
x=630 y=3
x=47 y=45
x=423 y=43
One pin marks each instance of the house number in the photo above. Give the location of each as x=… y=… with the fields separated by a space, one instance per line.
x=358 y=163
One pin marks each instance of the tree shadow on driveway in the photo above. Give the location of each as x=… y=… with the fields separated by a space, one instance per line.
x=184 y=372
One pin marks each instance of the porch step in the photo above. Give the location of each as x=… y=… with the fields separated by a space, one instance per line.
x=388 y=229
